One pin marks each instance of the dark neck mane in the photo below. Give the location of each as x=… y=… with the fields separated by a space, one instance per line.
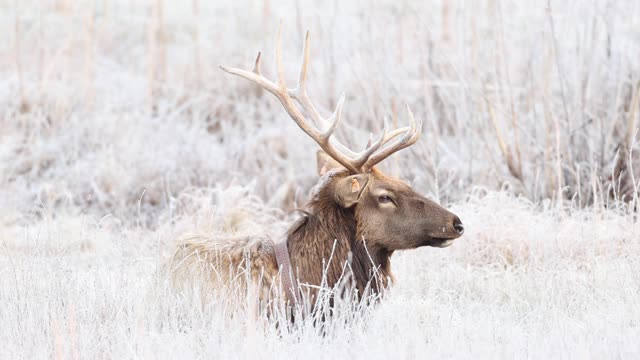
x=328 y=231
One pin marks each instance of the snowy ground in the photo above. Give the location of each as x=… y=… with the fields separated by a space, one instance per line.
x=118 y=132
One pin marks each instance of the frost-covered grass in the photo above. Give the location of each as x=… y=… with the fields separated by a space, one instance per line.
x=520 y=283
x=118 y=132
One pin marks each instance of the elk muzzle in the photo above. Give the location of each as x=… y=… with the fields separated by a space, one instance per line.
x=443 y=234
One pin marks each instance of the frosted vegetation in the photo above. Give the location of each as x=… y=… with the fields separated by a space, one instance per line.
x=118 y=132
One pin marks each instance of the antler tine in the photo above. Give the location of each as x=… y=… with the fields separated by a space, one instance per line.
x=418 y=128
x=302 y=79
x=279 y=71
x=396 y=132
x=300 y=92
x=301 y=96
x=256 y=65
x=372 y=147
x=335 y=119
x=409 y=137
x=256 y=78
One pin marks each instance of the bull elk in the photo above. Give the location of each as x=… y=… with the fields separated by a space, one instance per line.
x=357 y=218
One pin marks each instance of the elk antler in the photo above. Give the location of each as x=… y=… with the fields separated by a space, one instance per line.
x=356 y=162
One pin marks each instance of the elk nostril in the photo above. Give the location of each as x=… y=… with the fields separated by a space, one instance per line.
x=457 y=225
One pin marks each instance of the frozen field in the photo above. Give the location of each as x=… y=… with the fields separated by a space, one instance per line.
x=118 y=132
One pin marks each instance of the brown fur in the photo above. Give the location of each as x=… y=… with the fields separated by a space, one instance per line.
x=329 y=231
x=347 y=232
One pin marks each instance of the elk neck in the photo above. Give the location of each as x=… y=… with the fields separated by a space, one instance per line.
x=328 y=231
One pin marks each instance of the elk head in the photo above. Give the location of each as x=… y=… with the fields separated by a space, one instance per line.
x=389 y=213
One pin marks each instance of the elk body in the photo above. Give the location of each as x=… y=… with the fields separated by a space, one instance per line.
x=357 y=218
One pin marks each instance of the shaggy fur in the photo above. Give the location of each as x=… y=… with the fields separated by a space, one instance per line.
x=324 y=248
x=344 y=241
x=230 y=267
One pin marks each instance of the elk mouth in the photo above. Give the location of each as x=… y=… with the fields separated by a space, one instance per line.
x=440 y=242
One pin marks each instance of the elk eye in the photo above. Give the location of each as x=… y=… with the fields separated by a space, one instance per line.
x=384 y=199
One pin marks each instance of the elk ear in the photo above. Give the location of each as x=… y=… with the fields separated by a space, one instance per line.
x=349 y=189
x=326 y=163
